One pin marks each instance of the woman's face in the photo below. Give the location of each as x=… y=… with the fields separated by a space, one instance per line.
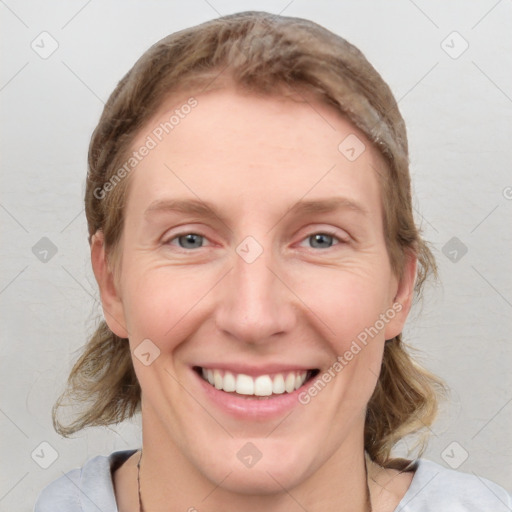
x=284 y=277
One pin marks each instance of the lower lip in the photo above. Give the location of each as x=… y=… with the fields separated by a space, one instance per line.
x=251 y=408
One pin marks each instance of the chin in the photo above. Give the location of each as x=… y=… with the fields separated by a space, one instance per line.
x=258 y=466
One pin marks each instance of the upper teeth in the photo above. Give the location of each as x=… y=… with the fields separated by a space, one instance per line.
x=263 y=385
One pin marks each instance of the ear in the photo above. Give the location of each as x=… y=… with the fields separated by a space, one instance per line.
x=113 y=309
x=402 y=301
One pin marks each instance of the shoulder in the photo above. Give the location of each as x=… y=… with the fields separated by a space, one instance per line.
x=83 y=489
x=439 y=489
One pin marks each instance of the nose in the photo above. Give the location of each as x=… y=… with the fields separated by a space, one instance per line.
x=256 y=303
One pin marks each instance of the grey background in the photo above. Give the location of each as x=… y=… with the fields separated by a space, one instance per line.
x=458 y=112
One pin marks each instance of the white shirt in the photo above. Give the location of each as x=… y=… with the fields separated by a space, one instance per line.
x=434 y=488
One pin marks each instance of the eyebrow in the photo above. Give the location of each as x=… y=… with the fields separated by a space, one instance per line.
x=209 y=210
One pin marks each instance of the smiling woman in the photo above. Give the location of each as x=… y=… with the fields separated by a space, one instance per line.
x=256 y=271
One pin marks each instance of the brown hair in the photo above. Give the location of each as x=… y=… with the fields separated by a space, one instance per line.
x=261 y=53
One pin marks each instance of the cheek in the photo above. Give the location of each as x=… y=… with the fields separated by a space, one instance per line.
x=350 y=310
x=165 y=304
x=349 y=302
x=157 y=301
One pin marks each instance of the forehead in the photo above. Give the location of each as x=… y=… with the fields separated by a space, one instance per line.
x=241 y=149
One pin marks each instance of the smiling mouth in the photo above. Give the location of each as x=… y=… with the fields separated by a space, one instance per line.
x=261 y=387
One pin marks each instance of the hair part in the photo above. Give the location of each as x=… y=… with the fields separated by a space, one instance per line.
x=263 y=54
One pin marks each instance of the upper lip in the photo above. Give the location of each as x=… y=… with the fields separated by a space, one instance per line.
x=254 y=370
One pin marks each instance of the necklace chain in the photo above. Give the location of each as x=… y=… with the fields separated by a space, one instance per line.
x=141 y=508
x=368 y=497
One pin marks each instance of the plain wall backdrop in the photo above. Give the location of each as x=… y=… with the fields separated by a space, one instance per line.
x=448 y=64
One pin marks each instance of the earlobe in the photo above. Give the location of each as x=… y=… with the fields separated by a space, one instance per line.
x=110 y=298
x=403 y=298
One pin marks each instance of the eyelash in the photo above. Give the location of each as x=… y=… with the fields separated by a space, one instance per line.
x=328 y=232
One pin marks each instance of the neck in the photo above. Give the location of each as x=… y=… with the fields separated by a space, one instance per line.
x=167 y=477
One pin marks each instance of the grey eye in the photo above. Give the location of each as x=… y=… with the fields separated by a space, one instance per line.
x=190 y=241
x=319 y=240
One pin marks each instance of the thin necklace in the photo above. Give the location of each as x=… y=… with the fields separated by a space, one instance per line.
x=368 y=498
x=141 y=508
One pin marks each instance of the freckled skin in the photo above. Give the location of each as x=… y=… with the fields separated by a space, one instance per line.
x=298 y=302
